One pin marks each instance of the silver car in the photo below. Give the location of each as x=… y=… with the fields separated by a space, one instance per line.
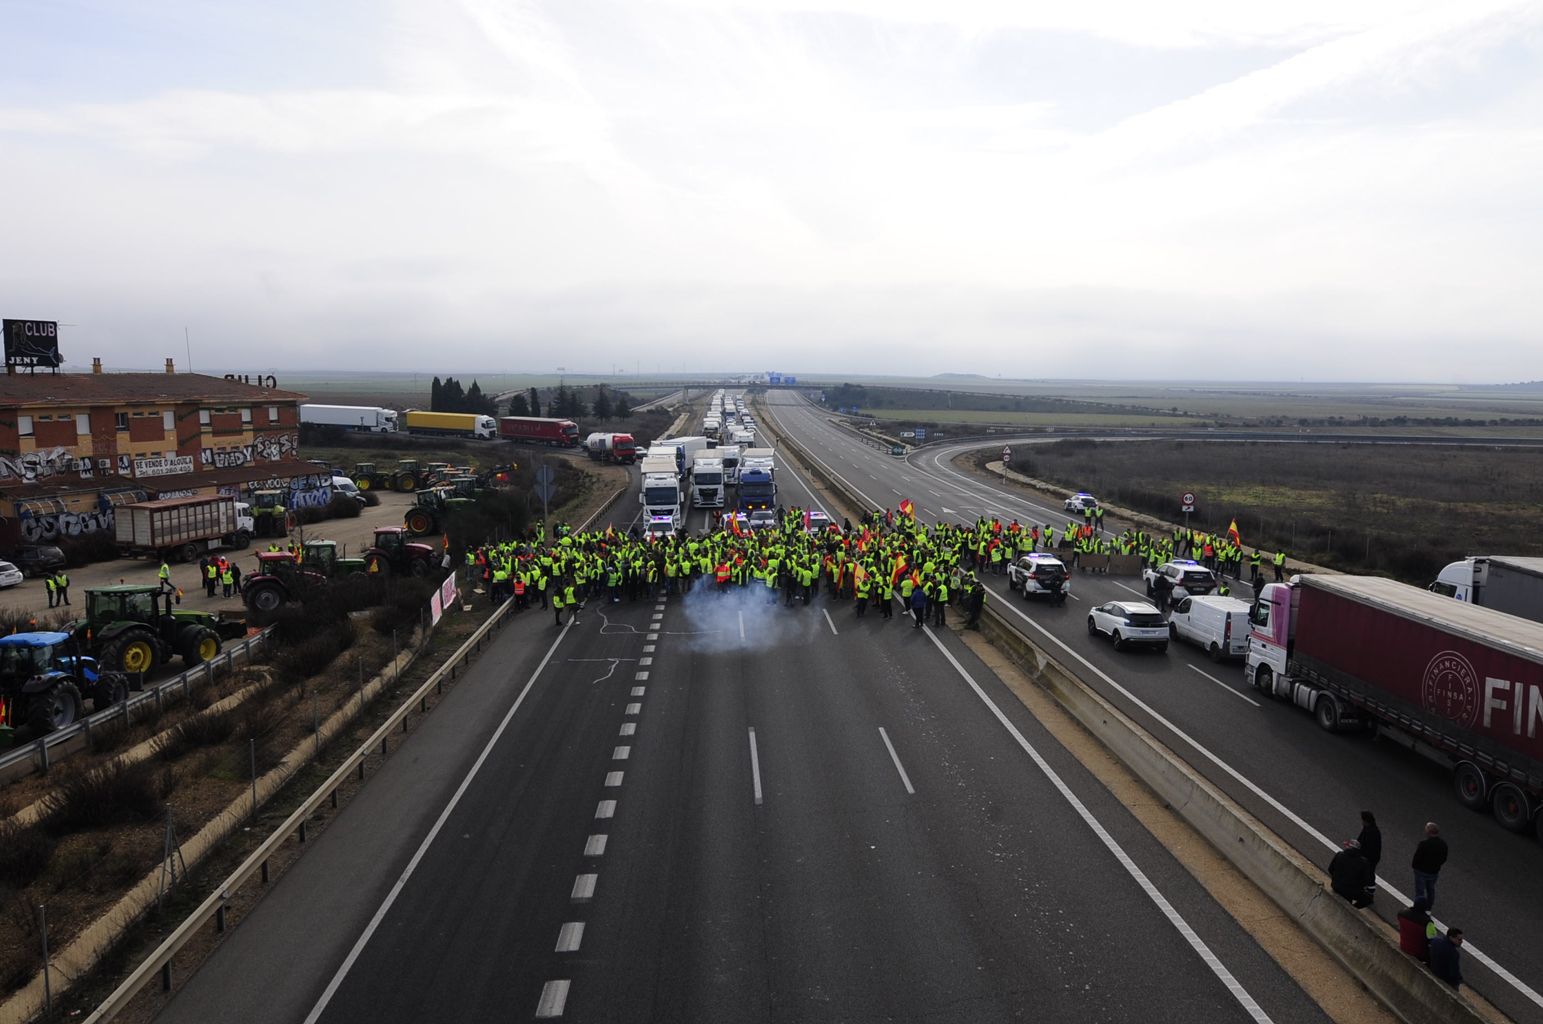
x=1129 y=623
x=10 y=576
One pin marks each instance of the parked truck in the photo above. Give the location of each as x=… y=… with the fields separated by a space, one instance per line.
x=180 y=529
x=539 y=430
x=454 y=424
x=367 y=418
x=619 y=448
x=1505 y=583
x=729 y=453
x=661 y=493
x=757 y=480
x=686 y=450
x=707 y=486
x=1458 y=683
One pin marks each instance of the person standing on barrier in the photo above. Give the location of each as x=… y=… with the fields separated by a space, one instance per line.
x=1429 y=855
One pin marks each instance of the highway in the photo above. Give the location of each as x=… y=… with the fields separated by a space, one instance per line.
x=1308 y=785
x=713 y=808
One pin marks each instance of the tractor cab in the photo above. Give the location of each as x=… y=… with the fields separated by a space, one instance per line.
x=25 y=655
x=391 y=539
x=466 y=487
x=269 y=514
x=368 y=478
x=44 y=679
x=123 y=604
x=409 y=475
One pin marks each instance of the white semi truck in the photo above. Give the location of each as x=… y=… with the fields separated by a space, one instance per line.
x=1505 y=583
x=661 y=493
x=368 y=418
x=707 y=485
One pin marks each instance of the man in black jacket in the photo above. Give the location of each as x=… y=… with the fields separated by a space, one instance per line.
x=1349 y=874
x=1446 y=957
x=1429 y=855
x=1371 y=847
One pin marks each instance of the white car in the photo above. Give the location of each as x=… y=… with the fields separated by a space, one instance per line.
x=659 y=527
x=1129 y=623
x=1188 y=578
x=818 y=523
x=10 y=576
x=763 y=519
x=1035 y=573
x=1079 y=501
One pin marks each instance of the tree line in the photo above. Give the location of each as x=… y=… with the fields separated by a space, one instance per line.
x=449 y=396
x=572 y=403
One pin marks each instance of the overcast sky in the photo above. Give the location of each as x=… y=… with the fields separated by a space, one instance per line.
x=1321 y=189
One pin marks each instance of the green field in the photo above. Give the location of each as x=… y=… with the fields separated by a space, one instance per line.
x=980 y=417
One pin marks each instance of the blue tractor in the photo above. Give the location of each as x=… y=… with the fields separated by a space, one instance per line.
x=44 y=680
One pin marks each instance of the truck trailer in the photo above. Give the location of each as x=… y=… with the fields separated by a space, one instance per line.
x=367 y=418
x=539 y=430
x=1505 y=583
x=180 y=529
x=456 y=424
x=729 y=453
x=1456 y=682
x=619 y=448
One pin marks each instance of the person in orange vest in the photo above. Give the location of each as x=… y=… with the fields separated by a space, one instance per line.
x=721 y=574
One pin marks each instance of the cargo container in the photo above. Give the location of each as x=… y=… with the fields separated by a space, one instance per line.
x=457 y=424
x=180 y=529
x=368 y=418
x=1456 y=682
x=1505 y=583
x=539 y=430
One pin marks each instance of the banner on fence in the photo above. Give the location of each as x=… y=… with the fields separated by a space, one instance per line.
x=447 y=592
x=436 y=609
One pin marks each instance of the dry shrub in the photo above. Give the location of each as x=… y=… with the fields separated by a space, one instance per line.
x=196 y=733
x=24 y=854
x=116 y=794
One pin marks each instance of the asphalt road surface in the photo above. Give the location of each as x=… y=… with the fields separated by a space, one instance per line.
x=1309 y=785
x=715 y=808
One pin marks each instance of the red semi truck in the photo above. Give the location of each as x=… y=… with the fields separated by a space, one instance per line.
x=539 y=430
x=612 y=448
x=1456 y=682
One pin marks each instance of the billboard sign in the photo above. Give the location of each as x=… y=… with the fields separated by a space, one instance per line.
x=32 y=343
x=163 y=466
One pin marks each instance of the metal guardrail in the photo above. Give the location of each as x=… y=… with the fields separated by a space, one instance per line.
x=39 y=754
x=214 y=905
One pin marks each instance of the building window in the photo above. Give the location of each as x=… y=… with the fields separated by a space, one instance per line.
x=167 y=419
x=121 y=420
x=24 y=426
x=273 y=414
x=82 y=423
x=246 y=415
x=203 y=417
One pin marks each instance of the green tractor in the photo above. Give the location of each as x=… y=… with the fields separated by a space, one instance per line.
x=132 y=628
x=278 y=578
x=432 y=508
x=410 y=475
x=368 y=478
x=269 y=516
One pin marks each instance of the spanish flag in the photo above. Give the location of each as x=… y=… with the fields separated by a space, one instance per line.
x=734 y=524
x=899 y=569
x=1232 y=533
x=907 y=508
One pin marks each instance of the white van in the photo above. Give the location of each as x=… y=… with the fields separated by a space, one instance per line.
x=343 y=485
x=1217 y=624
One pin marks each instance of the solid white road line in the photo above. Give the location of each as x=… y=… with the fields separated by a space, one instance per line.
x=584 y=887
x=904 y=778
x=605 y=809
x=1252 y=1008
x=755 y=767
x=831 y=621
x=594 y=846
x=1224 y=686
x=554 y=996
x=428 y=840
x=569 y=937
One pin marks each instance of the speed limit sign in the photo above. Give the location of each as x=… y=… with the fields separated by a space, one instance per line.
x=1186 y=498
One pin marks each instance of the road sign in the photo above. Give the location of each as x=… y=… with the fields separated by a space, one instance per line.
x=1186 y=499
x=545 y=490
x=1186 y=508
x=544 y=475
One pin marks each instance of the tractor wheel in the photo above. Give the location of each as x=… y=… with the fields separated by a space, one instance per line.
x=55 y=709
x=198 y=644
x=133 y=652
x=111 y=688
x=363 y=483
x=419 y=523
x=420 y=567
x=406 y=482
x=265 y=598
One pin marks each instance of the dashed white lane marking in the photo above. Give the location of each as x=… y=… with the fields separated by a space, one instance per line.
x=755 y=767
x=594 y=846
x=613 y=779
x=645 y=661
x=830 y=621
x=584 y=887
x=605 y=809
x=638 y=691
x=428 y=840
x=628 y=728
x=1252 y=1008
x=569 y=937
x=554 y=996
x=652 y=636
x=648 y=648
x=904 y=778
x=1224 y=686
x=633 y=709
x=640 y=675
x=741 y=626
x=621 y=753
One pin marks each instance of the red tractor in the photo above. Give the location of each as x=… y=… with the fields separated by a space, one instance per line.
x=393 y=553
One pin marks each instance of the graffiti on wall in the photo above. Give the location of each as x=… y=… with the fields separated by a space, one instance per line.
x=42 y=465
x=273 y=447
x=311 y=491
x=38 y=529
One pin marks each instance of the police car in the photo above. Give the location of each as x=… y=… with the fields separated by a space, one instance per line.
x=1035 y=573
x=1188 y=577
x=736 y=519
x=1079 y=501
x=1129 y=623
x=659 y=527
x=763 y=519
x=817 y=523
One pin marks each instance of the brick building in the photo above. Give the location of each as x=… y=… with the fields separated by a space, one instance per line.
x=75 y=446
